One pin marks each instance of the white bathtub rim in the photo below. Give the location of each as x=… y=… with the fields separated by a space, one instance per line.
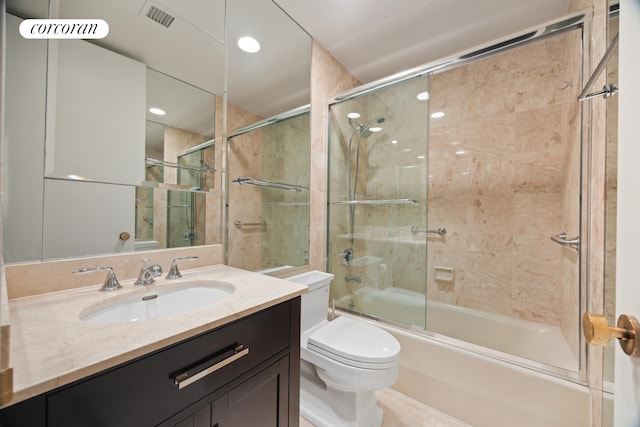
x=522 y=365
x=559 y=357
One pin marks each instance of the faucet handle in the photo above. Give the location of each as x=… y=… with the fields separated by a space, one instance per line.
x=147 y=273
x=156 y=270
x=111 y=283
x=174 y=273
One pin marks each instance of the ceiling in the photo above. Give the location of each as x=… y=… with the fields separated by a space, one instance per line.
x=377 y=38
x=371 y=38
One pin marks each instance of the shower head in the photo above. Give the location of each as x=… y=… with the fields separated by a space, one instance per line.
x=364 y=125
x=367 y=131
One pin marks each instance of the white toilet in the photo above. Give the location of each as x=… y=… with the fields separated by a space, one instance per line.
x=343 y=361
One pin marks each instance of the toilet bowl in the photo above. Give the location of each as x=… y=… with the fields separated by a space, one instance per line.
x=343 y=362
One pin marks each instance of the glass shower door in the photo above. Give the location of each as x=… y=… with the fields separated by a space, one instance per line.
x=454 y=203
x=378 y=203
x=186 y=213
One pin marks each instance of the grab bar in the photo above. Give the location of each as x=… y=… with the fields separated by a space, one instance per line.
x=241 y=224
x=440 y=231
x=563 y=240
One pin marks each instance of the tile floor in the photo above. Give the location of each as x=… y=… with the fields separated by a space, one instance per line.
x=402 y=411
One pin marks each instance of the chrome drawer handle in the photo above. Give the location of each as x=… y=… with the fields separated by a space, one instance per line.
x=186 y=378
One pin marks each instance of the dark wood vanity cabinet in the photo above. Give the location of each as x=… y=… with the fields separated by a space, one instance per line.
x=245 y=373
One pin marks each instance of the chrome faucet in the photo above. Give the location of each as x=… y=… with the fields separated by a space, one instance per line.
x=147 y=273
x=110 y=283
x=174 y=273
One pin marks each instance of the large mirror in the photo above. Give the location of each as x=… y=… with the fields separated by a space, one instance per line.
x=115 y=176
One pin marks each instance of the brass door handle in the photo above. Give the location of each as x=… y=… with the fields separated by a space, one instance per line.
x=597 y=331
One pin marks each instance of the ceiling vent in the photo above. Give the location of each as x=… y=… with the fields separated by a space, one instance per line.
x=160 y=16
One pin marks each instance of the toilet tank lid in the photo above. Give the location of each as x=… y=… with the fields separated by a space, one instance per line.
x=312 y=279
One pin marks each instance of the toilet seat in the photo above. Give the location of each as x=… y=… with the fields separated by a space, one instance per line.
x=355 y=343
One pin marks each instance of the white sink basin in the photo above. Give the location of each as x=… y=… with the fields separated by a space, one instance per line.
x=159 y=303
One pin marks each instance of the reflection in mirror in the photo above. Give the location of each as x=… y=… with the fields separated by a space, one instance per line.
x=191 y=50
x=95 y=114
x=167 y=218
x=268 y=202
x=277 y=78
x=180 y=131
x=44 y=213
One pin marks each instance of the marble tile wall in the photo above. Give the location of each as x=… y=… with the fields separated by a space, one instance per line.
x=175 y=142
x=387 y=165
x=504 y=177
x=328 y=78
x=286 y=157
x=595 y=134
x=243 y=246
x=245 y=202
x=279 y=153
x=611 y=184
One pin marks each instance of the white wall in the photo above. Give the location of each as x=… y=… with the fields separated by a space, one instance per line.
x=627 y=376
x=23 y=156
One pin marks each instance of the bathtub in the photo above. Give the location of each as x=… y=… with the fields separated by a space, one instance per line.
x=522 y=338
x=474 y=387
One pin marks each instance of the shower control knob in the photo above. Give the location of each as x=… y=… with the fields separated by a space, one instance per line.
x=597 y=331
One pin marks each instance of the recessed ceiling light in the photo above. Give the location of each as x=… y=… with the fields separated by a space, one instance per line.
x=423 y=96
x=248 y=44
x=353 y=115
x=394 y=141
x=375 y=129
x=157 y=111
x=437 y=115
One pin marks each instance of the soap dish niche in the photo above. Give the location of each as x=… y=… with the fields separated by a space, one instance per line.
x=444 y=274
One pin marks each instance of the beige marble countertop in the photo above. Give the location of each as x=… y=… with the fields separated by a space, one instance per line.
x=51 y=346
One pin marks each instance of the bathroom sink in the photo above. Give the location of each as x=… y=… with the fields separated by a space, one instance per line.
x=158 y=303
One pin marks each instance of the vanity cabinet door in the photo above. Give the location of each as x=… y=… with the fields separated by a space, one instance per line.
x=261 y=400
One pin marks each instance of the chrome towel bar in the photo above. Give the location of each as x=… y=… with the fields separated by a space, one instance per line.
x=440 y=231
x=246 y=180
x=241 y=224
x=377 y=202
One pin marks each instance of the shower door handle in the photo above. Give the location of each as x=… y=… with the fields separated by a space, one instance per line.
x=562 y=239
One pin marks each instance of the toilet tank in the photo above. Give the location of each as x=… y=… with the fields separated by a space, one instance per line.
x=315 y=302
